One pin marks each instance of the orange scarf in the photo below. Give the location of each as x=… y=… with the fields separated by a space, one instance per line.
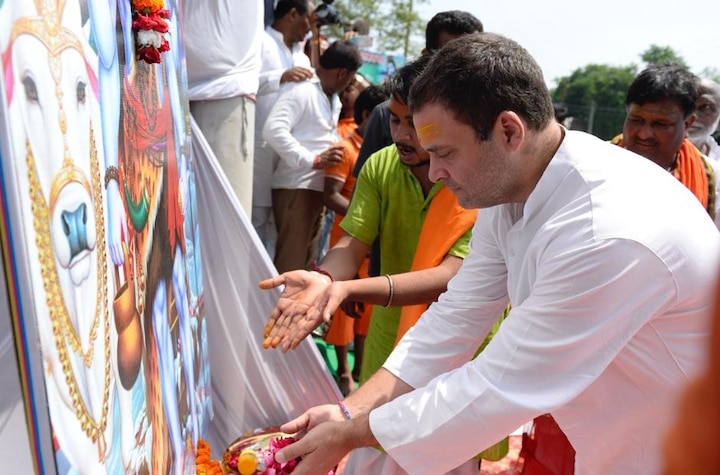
x=445 y=223
x=693 y=171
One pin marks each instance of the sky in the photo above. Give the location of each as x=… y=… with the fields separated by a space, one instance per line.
x=564 y=35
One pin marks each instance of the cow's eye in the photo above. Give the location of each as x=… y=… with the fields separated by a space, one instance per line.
x=31 y=92
x=80 y=91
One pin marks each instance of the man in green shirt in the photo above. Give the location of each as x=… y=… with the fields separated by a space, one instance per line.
x=391 y=199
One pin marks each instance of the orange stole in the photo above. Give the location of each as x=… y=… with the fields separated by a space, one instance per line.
x=693 y=171
x=445 y=223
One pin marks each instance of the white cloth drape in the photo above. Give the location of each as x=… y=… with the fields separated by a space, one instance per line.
x=252 y=387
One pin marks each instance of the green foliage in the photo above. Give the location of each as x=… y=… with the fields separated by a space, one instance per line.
x=395 y=25
x=710 y=73
x=595 y=96
x=659 y=54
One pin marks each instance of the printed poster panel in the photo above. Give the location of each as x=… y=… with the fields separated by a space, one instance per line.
x=106 y=248
x=379 y=67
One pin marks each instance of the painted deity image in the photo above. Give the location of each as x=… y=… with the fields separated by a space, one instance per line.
x=100 y=148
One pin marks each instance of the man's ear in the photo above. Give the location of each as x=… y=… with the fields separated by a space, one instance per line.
x=342 y=74
x=689 y=121
x=510 y=129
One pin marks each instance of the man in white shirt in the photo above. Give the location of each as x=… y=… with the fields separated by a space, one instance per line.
x=282 y=60
x=301 y=128
x=707 y=118
x=222 y=42
x=609 y=263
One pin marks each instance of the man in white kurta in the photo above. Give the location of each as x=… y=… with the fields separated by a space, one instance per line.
x=610 y=281
x=609 y=263
x=222 y=42
x=282 y=61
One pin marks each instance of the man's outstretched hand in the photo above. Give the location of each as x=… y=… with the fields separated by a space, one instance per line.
x=295 y=315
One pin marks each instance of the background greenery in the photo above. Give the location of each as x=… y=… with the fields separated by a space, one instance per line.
x=594 y=94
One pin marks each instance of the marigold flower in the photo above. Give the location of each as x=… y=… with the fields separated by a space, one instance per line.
x=148 y=6
x=204 y=464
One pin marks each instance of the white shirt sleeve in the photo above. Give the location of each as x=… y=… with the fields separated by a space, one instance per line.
x=285 y=115
x=270 y=81
x=581 y=312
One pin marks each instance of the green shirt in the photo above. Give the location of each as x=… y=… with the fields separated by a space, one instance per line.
x=388 y=202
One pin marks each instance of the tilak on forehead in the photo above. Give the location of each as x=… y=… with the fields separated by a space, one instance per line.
x=428 y=132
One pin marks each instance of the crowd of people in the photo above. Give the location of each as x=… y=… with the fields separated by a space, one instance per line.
x=489 y=266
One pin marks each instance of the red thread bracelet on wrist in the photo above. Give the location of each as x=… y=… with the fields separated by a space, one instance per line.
x=322 y=271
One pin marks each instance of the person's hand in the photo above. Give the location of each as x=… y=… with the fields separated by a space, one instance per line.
x=312 y=418
x=315 y=24
x=329 y=157
x=324 y=444
x=294 y=316
x=335 y=297
x=320 y=450
x=296 y=74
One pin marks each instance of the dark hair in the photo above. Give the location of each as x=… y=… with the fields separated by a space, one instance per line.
x=399 y=84
x=341 y=54
x=480 y=75
x=454 y=22
x=367 y=100
x=284 y=7
x=560 y=110
x=665 y=82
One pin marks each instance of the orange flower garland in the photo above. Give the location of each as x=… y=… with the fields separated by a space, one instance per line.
x=204 y=463
x=148 y=6
x=150 y=26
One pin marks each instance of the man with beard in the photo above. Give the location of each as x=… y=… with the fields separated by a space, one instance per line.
x=393 y=197
x=660 y=105
x=707 y=111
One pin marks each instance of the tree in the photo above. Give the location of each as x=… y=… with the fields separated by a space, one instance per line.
x=711 y=73
x=595 y=94
x=659 y=54
x=394 y=24
x=595 y=97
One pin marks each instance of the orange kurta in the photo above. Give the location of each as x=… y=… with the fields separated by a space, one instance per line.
x=445 y=223
x=346 y=127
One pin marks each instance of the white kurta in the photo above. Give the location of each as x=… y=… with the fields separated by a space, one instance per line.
x=302 y=123
x=222 y=42
x=713 y=149
x=610 y=266
x=276 y=58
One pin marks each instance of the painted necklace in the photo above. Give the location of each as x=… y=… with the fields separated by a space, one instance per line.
x=63 y=329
